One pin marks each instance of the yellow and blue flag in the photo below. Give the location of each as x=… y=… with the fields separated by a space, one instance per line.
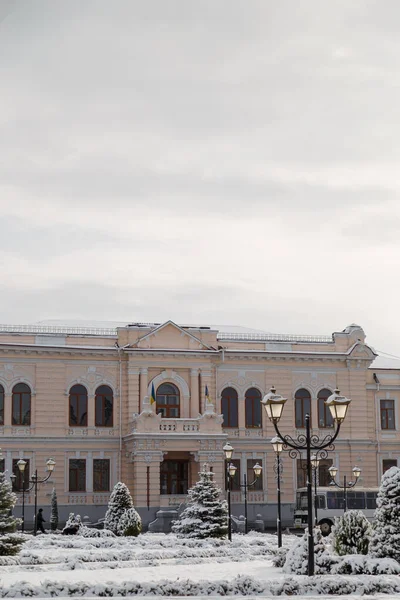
x=207 y=394
x=152 y=395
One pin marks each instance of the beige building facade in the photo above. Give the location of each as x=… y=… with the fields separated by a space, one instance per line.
x=83 y=396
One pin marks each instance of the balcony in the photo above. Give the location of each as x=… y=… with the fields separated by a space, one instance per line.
x=180 y=425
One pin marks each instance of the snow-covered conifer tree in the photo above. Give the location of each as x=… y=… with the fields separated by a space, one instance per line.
x=205 y=514
x=120 y=501
x=130 y=523
x=385 y=541
x=351 y=533
x=10 y=542
x=54 y=511
x=297 y=557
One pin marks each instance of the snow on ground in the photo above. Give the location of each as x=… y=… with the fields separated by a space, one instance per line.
x=164 y=565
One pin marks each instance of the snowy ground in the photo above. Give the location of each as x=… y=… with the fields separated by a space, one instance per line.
x=162 y=565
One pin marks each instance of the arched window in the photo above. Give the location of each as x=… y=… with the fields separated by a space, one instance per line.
x=324 y=414
x=168 y=401
x=104 y=401
x=253 y=407
x=302 y=402
x=1 y=405
x=78 y=403
x=21 y=404
x=229 y=406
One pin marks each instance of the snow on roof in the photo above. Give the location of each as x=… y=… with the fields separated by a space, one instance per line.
x=385 y=362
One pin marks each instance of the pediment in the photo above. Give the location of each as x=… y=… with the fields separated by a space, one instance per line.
x=362 y=351
x=172 y=337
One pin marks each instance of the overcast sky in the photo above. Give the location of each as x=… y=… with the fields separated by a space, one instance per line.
x=208 y=161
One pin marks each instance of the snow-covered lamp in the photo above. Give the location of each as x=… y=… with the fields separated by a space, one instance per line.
x=333 y=472
x=315 y=461
x=21 y=464
x=51 y=464
x=232 y=470
x=277 y=444
x=228 y=449
x=257 y=470
x=338 y=406
x=273 y=404
x=356 y=472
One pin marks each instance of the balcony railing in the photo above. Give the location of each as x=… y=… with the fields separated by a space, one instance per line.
x=180 y=425
x=253 y=497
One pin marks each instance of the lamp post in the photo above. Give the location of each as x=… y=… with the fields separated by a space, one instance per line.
x=315 y=465
x=277 y=445
x=21 y=464
x=338 y=405
x=229 y=474
x=346 y=485
x=34 y=481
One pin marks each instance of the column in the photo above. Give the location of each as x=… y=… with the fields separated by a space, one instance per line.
x=7 y=409
x=89 y=472
x=133 y=391
x=143 y=386
x=194 y=393
x=91 y=410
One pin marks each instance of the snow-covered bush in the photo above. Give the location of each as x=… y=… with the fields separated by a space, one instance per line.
x=130 y=523
x=351 y=533
x=297 y=557
x=73 y=524
x=385 y=541
x=365 y=565
x=54 y=511
x=89 y=532
x=120 y=501
x=205 y=514
x=280 y=557
x=10 y=542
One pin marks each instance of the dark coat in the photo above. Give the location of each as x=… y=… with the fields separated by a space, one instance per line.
x=40 y=518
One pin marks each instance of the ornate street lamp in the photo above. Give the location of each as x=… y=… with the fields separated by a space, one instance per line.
x=34 y=482
x=229 y=474
x=315 y=464
x=338 y=405
x=277 y=445
x=346 y=484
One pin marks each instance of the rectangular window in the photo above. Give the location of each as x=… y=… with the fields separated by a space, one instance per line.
x=101 y=475
x=21 y=480
x=174 y=477
x=235 y=483
x=301 y=464
x=355 y=500
x=2 y=465
x=77 y=475
x=388 y=463
x=387 y=414
x=324 y=477
x=258 y=486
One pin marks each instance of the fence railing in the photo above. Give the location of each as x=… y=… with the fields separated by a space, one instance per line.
x=274 y=337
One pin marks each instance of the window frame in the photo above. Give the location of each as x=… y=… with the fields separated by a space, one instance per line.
x=231 y=411
x=102 y=399
x=166 y=409
x=17 y=398
x=324 y=409
x=2 y=399
x=384 y=412
x=252 y=405
x=106 y=488
x=78 y=396
x=300 y=399
x=77 y=490
x=21 y=479
x=181 y=480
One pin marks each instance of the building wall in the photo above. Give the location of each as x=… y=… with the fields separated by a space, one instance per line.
x=191 y=359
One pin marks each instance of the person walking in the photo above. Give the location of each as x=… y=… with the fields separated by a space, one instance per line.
x=40 y=520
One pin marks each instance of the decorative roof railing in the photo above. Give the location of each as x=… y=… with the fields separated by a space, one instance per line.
x=54 y=329
x=112 y=332
x=274 y=337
